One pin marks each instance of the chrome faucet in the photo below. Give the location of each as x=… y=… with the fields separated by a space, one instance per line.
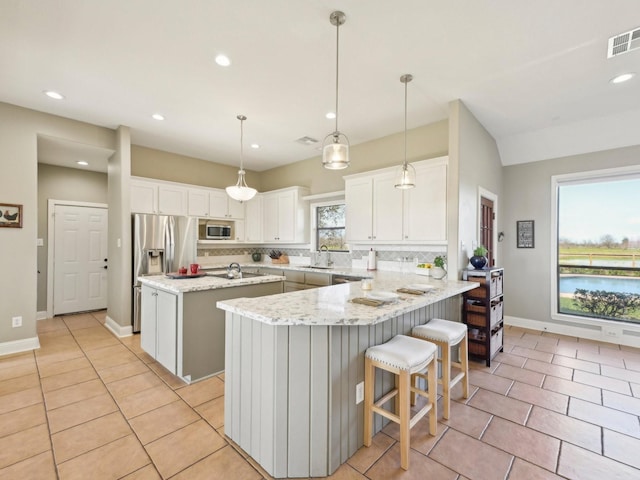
x=234 y=270
x=326 y=259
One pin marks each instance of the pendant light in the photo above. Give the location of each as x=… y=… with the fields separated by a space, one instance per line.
x=241 y=191
x=335 y=153
x=407 y=174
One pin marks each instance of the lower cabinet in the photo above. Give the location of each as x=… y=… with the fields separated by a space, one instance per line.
x=159 y=326
x=185 y=332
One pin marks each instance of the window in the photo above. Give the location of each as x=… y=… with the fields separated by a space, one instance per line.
x=330 y=226
x=598 y=246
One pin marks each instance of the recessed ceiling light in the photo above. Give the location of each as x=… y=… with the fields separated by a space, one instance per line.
x=157 y=116
x=330 y=115
x=255 y=145
x=223 y=60
x=83 y=163
x=54 y=95
x=622 y=78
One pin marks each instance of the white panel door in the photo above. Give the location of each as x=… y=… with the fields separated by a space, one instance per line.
x=80 y=259
x=387 y=209
x=218 y=203
x=359 y=206
x=167 y=329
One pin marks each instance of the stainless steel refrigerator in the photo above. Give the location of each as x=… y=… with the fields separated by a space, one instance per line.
x=160 y=244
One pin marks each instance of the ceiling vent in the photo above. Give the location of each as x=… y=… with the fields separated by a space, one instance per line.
x=306 y=141
x=623 y=43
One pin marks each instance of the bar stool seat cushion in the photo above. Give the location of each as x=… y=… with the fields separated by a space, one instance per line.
x=439 y=330
x=402 y=352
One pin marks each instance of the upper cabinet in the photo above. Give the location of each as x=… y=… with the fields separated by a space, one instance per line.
x=155 y=197
x=223 y=206
x=285 y=216
x=198 y=202
x=377 y=212
x=253 y=220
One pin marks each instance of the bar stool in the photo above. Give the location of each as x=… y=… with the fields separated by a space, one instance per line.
x=406 y=358
x=447 y=334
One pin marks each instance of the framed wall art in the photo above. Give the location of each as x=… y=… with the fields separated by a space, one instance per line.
x=10 y=215
x=525 y=233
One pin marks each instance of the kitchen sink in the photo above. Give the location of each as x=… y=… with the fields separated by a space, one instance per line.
x=318 y=267
x=244 y=275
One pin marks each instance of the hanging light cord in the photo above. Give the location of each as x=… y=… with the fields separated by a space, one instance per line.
x=242 y=118
x=404 y=165
x=337 y=68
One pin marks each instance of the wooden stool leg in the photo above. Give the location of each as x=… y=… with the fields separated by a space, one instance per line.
x=369 y=377
x=403 y=400
x=464 y=362
x=446 y=378
x=433 y=397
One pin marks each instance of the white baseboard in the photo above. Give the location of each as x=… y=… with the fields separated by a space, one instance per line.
x=117 y=329
x=610 y=332
x=42 y=315
x=17 y=346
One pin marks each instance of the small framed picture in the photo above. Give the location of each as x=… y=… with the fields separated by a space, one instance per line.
x=525 y=233
x=10 y=215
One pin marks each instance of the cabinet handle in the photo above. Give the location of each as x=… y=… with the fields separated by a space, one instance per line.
x=369 y=237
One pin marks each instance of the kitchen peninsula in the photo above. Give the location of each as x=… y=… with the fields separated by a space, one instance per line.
x=182 y=329
x=293 y=364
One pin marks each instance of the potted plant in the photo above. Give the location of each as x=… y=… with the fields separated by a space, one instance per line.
x=479 y=259
x=438 y=271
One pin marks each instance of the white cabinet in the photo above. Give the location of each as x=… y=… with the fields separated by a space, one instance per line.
x=172 y=199
x=144 y=196
x=285 y=215
x=377 y=212
x=374 y=208
x=223 y=206
x=159 y=326
x=425 y=206
x=253 y=220
x=198 y=202
x=158 y=197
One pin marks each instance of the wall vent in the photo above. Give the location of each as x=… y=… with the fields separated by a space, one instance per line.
x=306 y=141
x=623 y=43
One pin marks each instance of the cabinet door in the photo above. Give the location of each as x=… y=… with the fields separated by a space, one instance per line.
x=148 y=320
x=167 y=333
x=235 y=209
x=425 y=207
x=270 y=218
x=387 y=209
x=359 y=209
x=287 y=217
x=144 y=197
x=253 y=220
x=218 y=203
x=172 y=200
x=238 y=231
x=198 y=202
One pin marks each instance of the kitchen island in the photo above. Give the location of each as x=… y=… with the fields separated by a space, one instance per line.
x=181 y=327
x=293 y=364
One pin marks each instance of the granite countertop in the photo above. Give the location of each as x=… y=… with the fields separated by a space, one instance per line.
x=296 y=267
x=185 y=285
x=332 y=306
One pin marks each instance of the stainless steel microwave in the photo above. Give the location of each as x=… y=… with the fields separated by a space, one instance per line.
x=218 y=232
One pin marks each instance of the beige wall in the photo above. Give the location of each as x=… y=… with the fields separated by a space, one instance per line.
x=19 y=129
x=61 y=183
x=424 y=142
x=527 y=194
x=474 y=152
x=150 y=163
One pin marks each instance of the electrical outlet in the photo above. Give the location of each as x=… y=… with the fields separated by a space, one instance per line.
x=359 y=393
x=16 y=322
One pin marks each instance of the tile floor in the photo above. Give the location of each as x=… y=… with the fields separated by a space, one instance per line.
x=87 y=405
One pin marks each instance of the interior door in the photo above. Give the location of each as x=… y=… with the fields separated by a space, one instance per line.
x=80 y=259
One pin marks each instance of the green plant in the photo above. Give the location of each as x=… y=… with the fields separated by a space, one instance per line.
x=439 y=261
x=606 y=304
x=480 y=251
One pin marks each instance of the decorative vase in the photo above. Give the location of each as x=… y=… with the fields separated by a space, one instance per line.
x=478 y=262
x=438 y=272
x=256 y=256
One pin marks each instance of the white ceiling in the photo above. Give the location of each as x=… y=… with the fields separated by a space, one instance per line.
x=535 y=74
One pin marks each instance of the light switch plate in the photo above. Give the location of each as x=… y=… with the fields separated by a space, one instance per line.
x=359 y=393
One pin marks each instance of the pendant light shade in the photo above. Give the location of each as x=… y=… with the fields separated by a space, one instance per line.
x=406 y=177
x=335 y=147
x=241 y=191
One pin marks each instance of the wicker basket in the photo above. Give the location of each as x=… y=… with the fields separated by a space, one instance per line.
x=284 y=258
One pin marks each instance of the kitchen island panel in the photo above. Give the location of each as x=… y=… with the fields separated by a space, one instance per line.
x=304 y=379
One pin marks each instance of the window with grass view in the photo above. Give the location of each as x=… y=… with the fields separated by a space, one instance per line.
x=599 y=248
x=330 y=227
